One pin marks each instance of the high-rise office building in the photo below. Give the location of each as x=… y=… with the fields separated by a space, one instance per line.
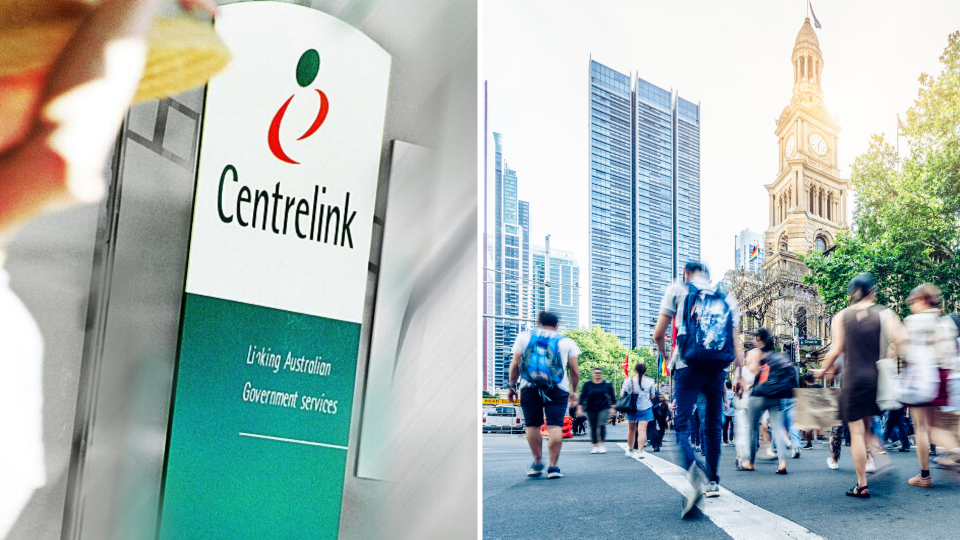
x=749 y=251
x=564 y=280
x=644 y=199
x=525 y=287
x=510 y=254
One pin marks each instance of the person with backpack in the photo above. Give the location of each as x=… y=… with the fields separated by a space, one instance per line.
x=930 y=341
x=598 y=401
x=775 y=379
x=860 y=333
x=641 y=390
x=707 y=342
x=541 y=359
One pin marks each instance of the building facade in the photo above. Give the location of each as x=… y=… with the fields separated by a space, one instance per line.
x=644 y=197
x=749 y=250
x=511 y=268
x=564 y=278
x=808 y=199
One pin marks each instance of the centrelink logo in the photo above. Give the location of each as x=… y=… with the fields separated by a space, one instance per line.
x=307 y=69
x=280 y=213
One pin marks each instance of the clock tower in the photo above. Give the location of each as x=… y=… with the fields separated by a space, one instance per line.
x=808 y=199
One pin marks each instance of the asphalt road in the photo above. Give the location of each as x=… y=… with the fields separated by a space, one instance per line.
x=612 y=496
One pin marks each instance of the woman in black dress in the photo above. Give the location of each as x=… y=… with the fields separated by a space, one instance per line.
x=857 y=335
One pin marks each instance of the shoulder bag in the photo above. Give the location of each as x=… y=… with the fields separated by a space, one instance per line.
x=628 y=402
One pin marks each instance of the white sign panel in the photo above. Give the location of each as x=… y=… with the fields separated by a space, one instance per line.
x=289 y=158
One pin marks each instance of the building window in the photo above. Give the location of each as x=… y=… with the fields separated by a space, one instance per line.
x=821 y=244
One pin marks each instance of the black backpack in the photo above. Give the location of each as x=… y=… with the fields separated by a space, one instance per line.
x=781 y=377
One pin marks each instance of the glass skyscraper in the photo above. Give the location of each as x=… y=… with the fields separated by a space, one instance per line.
x=644 y=199
x=749 y=253
x=511 y=261
x=564 y=279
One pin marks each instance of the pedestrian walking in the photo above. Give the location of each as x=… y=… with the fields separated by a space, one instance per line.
x=661 y=413
x=539 y=372
x=775 y=379
x=728 y=413
x=707 y=342
x=598 y=401
x=930 y=343
x=857 y=333
x=897 y=429
x=643 y=387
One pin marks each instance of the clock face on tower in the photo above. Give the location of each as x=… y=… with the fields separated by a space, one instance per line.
x=791 y=144
x=817 y=144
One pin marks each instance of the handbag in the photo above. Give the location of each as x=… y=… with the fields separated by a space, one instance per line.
x=920 y=382
x=886 y=377
x=628 y=402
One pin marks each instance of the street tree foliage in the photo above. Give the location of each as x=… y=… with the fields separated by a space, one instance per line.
x=776 y=298
x=599 y=348
x=906 y=224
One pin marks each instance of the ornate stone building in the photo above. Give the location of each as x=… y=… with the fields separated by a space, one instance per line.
x=808 y=199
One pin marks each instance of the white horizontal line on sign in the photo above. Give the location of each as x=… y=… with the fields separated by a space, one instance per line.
x=295 y=441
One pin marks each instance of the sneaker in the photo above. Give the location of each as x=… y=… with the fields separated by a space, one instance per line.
x=796 y=452
x=948 y=461
x=535 y=470
x=808 y=447
x=657 y=449
x=554 y=472
x=770 y=452
x=629 y=453
x=603 y=449
x=919 y=481
x=695 y=477
x=640 y=454
x=831 y=464
x=595 y=450
x=713 y=490
x=871 y=466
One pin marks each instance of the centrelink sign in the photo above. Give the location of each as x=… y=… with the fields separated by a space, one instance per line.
x=276 y=278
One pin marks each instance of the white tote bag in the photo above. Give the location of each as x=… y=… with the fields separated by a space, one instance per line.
x=887 y=384
x=920 y=382
x=886 y=376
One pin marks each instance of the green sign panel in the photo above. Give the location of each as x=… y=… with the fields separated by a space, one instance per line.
x=258 y=440
x=806 y=342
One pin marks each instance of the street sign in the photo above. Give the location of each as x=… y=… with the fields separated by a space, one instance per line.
x=805 y=342
x=494 y=401
x=259 y=438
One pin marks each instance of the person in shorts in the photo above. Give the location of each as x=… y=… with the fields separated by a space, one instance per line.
x=550 y=403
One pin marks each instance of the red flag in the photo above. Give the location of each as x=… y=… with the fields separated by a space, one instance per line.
x=626 y=366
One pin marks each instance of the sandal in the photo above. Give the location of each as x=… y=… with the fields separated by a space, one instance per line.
x=859 y=492
x=781 y=471
x=742 y=468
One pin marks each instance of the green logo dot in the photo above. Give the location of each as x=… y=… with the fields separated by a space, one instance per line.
x=308 y=67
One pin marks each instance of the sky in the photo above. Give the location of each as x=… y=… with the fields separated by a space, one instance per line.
x=731 y=57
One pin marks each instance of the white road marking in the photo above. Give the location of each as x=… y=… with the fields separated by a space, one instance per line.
x=739 y=518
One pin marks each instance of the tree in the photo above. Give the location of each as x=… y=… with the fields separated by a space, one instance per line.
x=907 y=217
x=599 y=348
x=488 y=395
x=776 y=298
